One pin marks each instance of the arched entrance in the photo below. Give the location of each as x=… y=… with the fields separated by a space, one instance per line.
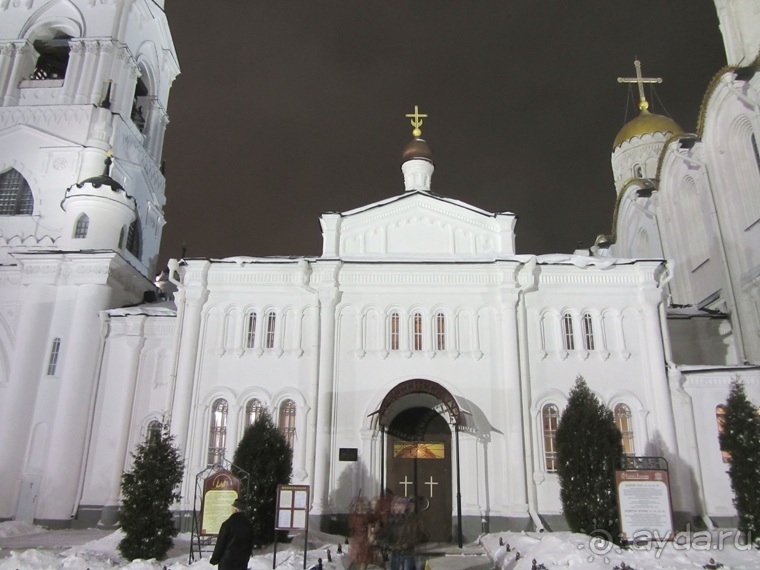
x=418 y=418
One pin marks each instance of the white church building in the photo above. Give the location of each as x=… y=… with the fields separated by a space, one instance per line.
x=419 y=352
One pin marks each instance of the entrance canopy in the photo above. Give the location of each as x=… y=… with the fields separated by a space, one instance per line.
x=428 y=390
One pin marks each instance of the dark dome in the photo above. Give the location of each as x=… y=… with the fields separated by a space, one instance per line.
x=417 y=148
x=102 y=180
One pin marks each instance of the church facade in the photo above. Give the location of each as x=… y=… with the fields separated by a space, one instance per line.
x=419 y=352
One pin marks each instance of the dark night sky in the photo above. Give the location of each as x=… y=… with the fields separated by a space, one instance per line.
x=287 y=109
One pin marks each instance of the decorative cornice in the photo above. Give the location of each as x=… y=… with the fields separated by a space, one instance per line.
x=47 y=115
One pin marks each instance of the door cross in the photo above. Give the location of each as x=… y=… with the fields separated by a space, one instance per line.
x=431 y=483
x=406 y=483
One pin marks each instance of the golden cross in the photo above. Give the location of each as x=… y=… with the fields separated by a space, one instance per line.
x=643 y=105
x=416 y=121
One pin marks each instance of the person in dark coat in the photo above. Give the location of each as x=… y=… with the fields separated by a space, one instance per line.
x=234 y=544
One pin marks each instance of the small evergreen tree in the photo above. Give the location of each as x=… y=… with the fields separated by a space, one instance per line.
x=589 y=449
x=740 y=437
x=149 y=489
x=267 y=458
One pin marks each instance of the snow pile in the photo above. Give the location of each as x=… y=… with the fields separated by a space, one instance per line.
x=564 y=549
x=13 y=528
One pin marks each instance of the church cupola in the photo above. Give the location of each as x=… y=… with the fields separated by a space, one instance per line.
x=98 y=213
x=637 y=147
x=417 y=164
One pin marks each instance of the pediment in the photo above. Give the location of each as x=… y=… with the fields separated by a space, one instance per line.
x=419 y=226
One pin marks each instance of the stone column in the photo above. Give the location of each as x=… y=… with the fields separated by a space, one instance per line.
x=121 y=412
x=328 y=298
x=17 y=399
x=73 y=413
x=513 y=412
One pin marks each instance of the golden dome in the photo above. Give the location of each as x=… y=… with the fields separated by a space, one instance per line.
x=646 y=123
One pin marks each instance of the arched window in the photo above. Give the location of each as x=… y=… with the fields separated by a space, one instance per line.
x=417 y=331
x=15 y=194
x=134 y=239
x=720 y=416
x=625 y=425
x=568 y=341
x=217 y=438
x=394 y=330
x=271 y=323
x=55 y=350
x=253 y=411
x=153 y=432
x=550 y=420
x=288 y=421
x=588 y=332
x=81 y=227
x=53 y=57
x=122 y=236
x=139 y=102
x=637 y=171
x=440 y=331
x=250 y=330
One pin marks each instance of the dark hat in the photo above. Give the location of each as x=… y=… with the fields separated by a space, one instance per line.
x=238 y=504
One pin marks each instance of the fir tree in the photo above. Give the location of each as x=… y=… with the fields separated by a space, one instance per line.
x=740 y=436
x=589 y=449
x=149 y=489
x=267 y=458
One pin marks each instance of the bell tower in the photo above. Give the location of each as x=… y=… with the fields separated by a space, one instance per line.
x=84 y=88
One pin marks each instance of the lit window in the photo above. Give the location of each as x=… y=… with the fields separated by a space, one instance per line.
x=440 y=331
x=253 y=411
x=53 y=58
x=271 y=322
x=217 y=440
x=83 y=224
x=15 y=194
x=417 y=331
x=625 y=425
x=550 y=417
x=588 y=332
x=288 y=421
x=394 y=331
x=55 y=350
x=134 y=239
x=568 y=342
x=250 y=331
x=720 y=416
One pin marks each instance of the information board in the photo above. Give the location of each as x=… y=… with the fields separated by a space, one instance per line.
x=219 y=491
x=644 y=504
x=292 y=507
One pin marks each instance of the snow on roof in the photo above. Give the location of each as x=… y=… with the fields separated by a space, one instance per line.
x=160 y=309
x=406 y=195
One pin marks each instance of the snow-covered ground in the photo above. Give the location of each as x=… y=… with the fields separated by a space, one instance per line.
x=23 y=546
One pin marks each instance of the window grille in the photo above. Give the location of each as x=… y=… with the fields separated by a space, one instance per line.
x=134 y=239
x=217 y=440
x=720 y=416
x=624 y=423
x=395 y=331
x=550 y=418
x=15 y=194
x=417 y=331
x=250 y=333
x=271 y=323
x=440 y=331
x=55 y=350
x=83 y=225
x=588 y=332
x=288 y=421
x=253 y=411
x=568 y=342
